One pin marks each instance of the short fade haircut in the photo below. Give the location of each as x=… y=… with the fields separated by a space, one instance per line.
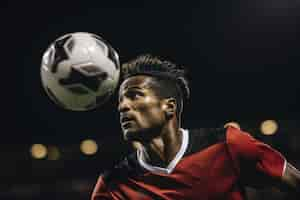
x=170 y=79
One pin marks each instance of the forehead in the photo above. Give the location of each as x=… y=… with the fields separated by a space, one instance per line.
x=139 y=81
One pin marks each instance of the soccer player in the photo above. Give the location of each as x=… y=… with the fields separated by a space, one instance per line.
x=171 y=162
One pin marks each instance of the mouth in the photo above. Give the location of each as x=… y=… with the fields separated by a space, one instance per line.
x=126 y=124
x=126 y=121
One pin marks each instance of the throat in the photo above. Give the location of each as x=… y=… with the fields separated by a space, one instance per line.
x=162 y=151
x=155 y=159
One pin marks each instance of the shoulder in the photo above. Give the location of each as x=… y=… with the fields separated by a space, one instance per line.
x=202 y=138
x=240 y=141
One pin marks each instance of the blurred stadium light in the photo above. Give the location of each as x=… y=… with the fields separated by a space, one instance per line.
x=88 y=147
x=53 y=153
x=269 y=127
x=38 y=151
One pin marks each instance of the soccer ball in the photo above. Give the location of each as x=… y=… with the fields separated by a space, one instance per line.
x=80 y=71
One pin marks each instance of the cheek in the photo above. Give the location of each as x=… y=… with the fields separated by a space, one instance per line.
x=149 y=111
x=152 y=114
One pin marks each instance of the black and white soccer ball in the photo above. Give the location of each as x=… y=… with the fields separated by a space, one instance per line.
x=80 y=71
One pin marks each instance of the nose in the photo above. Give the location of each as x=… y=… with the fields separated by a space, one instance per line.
x=124 y=105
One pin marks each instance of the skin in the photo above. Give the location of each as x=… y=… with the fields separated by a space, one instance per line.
x=290 y=181
x=151 y=123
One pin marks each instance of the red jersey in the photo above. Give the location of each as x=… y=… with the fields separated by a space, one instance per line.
x=212 y=165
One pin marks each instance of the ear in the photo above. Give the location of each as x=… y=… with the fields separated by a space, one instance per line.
x=169 y=106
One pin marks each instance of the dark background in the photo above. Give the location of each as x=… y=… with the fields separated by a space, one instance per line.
x=242 y=57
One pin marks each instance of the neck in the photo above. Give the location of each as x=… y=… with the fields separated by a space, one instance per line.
x=162 y=149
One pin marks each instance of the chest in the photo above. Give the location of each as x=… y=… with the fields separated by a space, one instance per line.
x=207 y=174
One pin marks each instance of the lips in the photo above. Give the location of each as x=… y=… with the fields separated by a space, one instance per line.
x=125 y=119
x=126 y=122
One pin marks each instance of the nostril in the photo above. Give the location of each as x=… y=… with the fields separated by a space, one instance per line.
x=122 y=107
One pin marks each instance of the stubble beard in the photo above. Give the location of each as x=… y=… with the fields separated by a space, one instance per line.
x=142 y=136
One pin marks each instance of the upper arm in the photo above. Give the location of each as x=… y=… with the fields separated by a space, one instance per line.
x=257 y=163
x=261 y=164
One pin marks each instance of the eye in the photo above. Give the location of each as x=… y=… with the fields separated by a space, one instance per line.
x=134 y=94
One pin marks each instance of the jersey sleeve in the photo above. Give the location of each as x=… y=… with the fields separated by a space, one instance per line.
x=100 y=191
x=255 y=162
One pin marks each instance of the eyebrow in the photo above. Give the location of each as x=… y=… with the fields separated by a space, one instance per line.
x=143 y=86
x=133 y=87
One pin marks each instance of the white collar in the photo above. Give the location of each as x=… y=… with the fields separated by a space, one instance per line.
x=173 y=163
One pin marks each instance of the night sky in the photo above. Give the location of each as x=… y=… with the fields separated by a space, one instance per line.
x=242 y=58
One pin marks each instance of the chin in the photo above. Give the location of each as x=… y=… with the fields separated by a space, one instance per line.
x=132 y=135
x=138 y=135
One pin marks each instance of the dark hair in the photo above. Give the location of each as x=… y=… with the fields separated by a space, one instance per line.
x=170 y=79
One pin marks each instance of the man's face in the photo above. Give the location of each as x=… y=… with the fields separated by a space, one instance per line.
x=140 y=109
